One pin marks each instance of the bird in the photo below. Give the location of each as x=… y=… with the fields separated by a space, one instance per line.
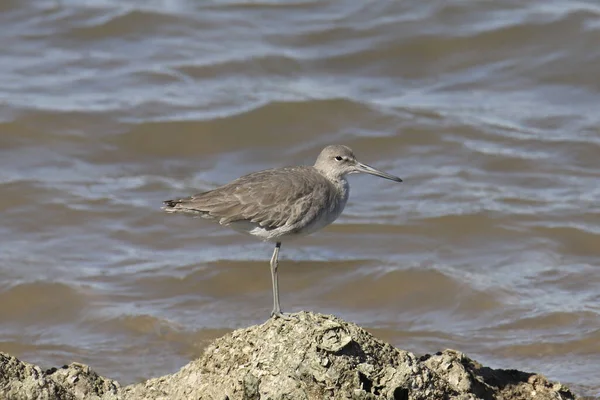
x=281 y=204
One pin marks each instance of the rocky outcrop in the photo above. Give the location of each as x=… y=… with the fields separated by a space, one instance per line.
x=21 y=380
x=309 y=356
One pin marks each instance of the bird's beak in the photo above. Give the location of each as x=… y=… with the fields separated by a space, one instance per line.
x=360 y=167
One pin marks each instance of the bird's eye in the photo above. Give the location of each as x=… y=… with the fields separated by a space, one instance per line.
x=339 y=158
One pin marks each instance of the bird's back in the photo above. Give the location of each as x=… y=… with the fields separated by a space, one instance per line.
x=270 y=203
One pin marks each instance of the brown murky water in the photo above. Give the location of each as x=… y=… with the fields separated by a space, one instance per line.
x=490 y=111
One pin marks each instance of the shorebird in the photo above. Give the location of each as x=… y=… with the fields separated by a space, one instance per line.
x=281 y=203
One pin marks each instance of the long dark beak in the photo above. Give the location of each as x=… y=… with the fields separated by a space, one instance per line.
x=360 y=167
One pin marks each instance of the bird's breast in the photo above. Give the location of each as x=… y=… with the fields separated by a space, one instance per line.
x=342 y=194
x=331 y=210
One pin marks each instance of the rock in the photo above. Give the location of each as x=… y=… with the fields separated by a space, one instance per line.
x=308 y=357
x=21 y=380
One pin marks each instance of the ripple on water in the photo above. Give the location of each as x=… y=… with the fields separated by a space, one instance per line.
x=487 y=110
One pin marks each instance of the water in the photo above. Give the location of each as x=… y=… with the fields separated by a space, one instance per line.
x=488 y=111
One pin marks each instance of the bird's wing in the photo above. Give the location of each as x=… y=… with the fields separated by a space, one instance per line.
x=270 y=198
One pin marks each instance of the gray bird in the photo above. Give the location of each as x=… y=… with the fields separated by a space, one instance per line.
x=281 y=203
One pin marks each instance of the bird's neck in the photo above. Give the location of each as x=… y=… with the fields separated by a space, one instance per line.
x=331 y=176
x=342 y=193
x=339 y=181
x=342 y=186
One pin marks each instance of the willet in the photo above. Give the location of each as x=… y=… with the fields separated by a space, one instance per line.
x=281 y=203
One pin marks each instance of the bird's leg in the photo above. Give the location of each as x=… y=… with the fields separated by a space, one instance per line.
x=276 y=313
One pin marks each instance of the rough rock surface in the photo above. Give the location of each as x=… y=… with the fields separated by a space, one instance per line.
x=310 y=356
x=21 y=380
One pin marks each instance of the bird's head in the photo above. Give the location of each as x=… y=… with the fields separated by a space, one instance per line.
x=337 y=161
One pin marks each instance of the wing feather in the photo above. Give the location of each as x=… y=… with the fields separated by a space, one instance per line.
x=270 y=198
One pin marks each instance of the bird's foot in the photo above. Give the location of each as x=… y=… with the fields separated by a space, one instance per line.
x=279 y=314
